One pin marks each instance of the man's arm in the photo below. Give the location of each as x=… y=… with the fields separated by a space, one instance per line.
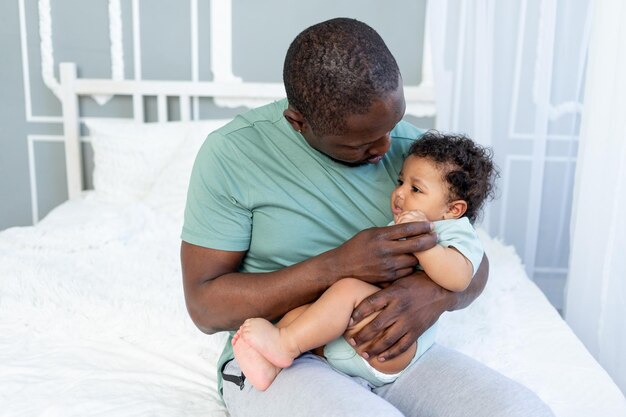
x=220 y=298
x=408 y=307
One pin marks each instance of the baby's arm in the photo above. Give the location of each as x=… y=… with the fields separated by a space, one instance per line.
x=444 y=265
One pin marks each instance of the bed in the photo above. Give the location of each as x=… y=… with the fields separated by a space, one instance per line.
x=92 y=315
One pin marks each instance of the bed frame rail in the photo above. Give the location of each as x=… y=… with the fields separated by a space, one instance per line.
x=73 y=87
x=420 y=102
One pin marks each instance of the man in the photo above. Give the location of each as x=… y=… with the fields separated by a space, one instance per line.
x=289 y=198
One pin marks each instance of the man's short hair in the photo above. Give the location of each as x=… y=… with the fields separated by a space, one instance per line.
x=337 y=68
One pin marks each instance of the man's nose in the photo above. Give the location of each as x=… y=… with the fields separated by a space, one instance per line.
x=381 y=146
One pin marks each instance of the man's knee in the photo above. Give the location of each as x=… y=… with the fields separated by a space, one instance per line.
x=450 y=383
x=515 y=400
x=310 y=387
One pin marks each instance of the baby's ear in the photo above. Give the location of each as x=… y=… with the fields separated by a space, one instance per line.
x=456 y=209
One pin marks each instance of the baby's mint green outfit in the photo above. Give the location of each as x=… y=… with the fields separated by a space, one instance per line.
x=457 y=233
x=345 y=359
x=257 y=186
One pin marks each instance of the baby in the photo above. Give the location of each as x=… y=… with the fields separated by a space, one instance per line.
x=445 y=179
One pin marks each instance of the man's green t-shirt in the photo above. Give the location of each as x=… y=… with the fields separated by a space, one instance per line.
x=257 y=186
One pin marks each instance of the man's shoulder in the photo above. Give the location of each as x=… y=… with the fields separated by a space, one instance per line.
x=271 y=113
x=402 y=136
x=249 y=126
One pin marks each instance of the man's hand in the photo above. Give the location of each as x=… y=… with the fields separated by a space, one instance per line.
x=384 y=254
x=408 y=307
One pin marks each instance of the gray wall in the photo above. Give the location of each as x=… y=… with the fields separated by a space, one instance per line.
x=14 y=193
x=262 y=31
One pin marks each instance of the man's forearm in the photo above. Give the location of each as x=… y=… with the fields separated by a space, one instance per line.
x=224 y=302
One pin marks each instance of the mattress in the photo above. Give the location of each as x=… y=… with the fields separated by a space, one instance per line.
x=93 y=322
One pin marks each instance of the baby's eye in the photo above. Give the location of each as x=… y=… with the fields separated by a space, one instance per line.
x=415 y=190
x=399 y=182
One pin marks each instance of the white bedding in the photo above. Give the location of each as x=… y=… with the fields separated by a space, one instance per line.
x=93 y=322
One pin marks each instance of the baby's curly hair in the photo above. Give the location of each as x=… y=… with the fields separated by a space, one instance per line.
x=466 y=167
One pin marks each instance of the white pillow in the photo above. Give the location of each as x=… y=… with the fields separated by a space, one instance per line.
x=128 y=156
x=169 y=192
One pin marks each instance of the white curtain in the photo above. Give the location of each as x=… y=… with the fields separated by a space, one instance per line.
x=596 y=287
x=511 y=74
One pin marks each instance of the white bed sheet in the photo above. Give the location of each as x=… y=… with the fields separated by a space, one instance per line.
x=93 y=322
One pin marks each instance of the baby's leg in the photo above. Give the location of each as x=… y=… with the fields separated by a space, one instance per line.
x=292 y=315
x=258 y=370
x=323 y=321
x=270 y=341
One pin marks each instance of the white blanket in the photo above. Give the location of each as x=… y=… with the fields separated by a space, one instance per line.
x=93 y=322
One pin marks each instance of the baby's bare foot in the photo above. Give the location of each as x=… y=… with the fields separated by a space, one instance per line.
x=258 y=370
x=269 y=341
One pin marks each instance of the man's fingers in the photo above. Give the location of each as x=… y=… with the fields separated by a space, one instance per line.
x=407 y=230
x=390 y=339
x=403 y=264
x=376 y=328
x=404 y=343
x=403 y=272
x=410 y=237
x=370 y=305
x=417 y=244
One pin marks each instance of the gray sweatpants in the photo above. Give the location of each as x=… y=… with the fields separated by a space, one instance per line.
x=442 y=383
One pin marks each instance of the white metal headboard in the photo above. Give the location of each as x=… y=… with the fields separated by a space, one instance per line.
x=72 y=88
x=420 y=101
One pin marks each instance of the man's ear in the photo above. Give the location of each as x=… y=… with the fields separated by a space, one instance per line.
x=295 y=119
x=456 y=209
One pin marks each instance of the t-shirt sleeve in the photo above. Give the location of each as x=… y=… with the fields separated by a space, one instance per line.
x=216 y=216
x=462 y=236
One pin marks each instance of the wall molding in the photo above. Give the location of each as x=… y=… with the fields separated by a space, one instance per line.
x=32 y=170
x=26 y=73
x=419 y=98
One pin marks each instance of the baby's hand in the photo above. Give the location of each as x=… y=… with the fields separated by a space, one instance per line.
x=411 y=216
